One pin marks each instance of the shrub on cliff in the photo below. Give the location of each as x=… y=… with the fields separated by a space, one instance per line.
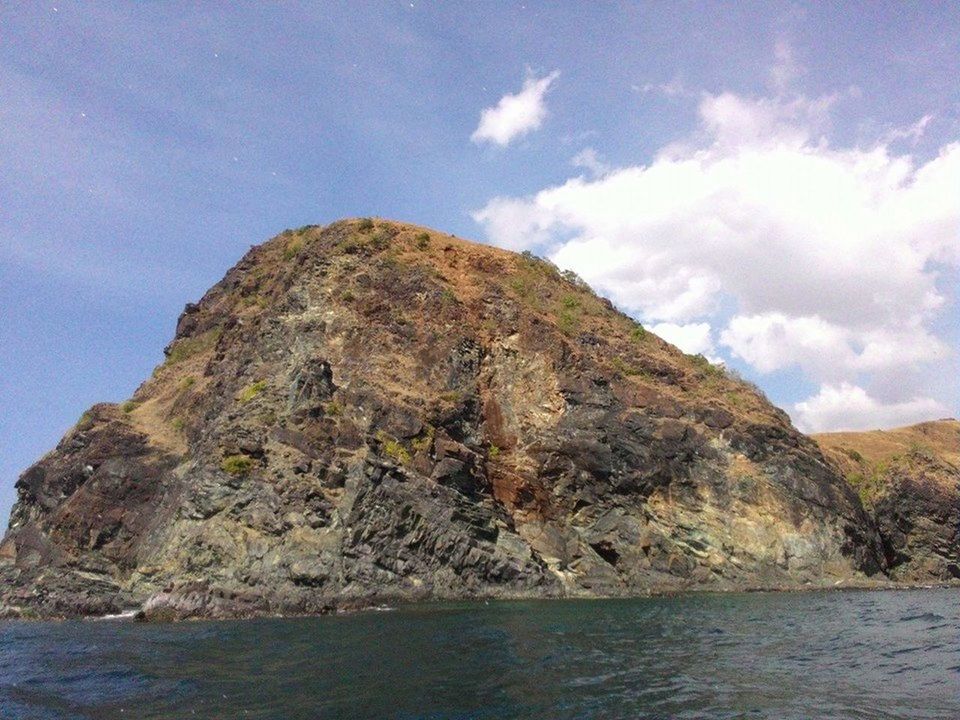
x=237 y=464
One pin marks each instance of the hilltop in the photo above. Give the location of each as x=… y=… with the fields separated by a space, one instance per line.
x=909 y=479
x=375 y=410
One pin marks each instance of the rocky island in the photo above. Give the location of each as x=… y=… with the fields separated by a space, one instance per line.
x=375 y=411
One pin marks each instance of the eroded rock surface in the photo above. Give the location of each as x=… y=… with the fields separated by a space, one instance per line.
x=909 y=479
x=375 y=411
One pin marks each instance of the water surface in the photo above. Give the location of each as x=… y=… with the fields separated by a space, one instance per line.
x=810 y=655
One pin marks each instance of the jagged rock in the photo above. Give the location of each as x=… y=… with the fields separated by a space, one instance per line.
x=356 y=413
x=909 y=479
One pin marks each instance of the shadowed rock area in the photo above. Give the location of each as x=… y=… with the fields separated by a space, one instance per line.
x=909 y=479
x=377 y=411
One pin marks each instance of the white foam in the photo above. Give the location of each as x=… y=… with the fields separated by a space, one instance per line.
x=125 y=615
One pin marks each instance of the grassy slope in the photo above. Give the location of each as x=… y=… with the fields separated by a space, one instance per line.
x=867 y=458
x=468 y=270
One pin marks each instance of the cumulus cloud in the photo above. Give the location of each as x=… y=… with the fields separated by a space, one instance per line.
x=693 y=338
x=849 y=407
x=799 y=253
x=828 y=351
x=517 y=114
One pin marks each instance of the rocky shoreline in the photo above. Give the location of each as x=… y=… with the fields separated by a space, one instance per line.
x=201 y=607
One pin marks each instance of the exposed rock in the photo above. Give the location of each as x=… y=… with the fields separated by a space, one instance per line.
x=356 y=413
x=909 y=479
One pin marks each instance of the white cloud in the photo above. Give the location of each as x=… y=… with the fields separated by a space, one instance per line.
x=672 y=89
x=849 y=407
x=772 y=341
x=514 y=224
x=515 y=114
x=588 y=159
x=786 y=68
x=735 y=123
x=693 y=338
x=782 y=226
x=834 y=260
x=913 y=132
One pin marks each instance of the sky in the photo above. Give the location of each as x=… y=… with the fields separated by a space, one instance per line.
x=775 y=185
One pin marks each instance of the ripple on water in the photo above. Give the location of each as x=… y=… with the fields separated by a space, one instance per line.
x=811 y=655
x=925 y=617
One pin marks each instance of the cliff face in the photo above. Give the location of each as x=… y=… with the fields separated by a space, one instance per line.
x=909 y=479
x=376 y=410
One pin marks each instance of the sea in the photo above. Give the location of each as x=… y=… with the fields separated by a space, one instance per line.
x=841 y=654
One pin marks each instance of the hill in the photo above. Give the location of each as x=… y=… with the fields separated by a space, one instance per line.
x=375 y=410
x=909 y=479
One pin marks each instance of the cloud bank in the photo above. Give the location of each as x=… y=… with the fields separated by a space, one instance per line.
x=849 y=407
x=834 y=260
x=515 y=115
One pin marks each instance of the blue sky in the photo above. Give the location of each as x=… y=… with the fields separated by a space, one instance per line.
x=145 y=146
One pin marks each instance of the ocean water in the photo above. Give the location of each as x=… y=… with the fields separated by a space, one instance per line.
x=807 y=655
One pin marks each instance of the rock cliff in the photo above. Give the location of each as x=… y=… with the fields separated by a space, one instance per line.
x=373 y=410
x=909 y=479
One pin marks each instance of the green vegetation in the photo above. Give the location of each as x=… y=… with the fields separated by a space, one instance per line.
x=333 y=409
x=347 y=296
x=187 y=382
x=447 y=297
x=625 y=368
x=237 y=464
x=425 y=440
x=389 y=261
x=188 y=347
x=251 y=391
x=129 y=406
x=571 y=277
x=85 y=422
x=494 y=452
x=639 y=333
x=918 y=453
x=177 y=424
x=535 y=283
x=268 y=418
x=852 y=454
x=871 y=480
x=568 y=321
x=746 y=385
x=423 y=241
x=380 y=240
x=257 y=299
x=393 y=449
x=734 y=398
x=293 y=248
x=706 y=368
x=875 y=471
x=376 y=242
x=351 y=246
x=522 y=287
x=869 y=484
